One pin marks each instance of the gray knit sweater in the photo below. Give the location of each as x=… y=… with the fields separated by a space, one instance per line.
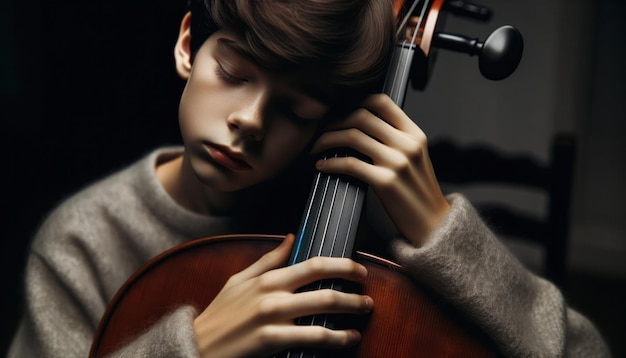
x=96 y=239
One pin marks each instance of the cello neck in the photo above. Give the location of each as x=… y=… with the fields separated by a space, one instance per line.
x=329 y=225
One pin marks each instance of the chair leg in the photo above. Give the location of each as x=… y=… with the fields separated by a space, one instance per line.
x=560 y=188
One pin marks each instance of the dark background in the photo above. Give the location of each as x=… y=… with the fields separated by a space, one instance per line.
x=88 y=87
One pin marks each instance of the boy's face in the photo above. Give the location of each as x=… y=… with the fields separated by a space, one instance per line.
x=241 y=125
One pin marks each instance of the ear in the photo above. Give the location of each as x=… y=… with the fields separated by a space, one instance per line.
x=182 y=50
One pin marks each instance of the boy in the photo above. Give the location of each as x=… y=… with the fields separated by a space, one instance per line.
x=268 y=83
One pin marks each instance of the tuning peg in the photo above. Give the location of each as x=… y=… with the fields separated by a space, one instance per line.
x=467 y=9
x=498 y=56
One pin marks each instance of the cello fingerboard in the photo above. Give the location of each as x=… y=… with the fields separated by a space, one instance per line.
x=330 y=222
x=329 y=225
x=328 y=228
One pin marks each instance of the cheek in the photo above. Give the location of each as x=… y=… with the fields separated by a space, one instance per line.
x=186 y=115
x=198 y=104
x=288 y=142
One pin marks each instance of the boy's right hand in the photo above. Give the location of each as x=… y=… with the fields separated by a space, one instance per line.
x=253 y=315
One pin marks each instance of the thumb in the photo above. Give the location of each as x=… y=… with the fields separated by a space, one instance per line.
x=274 y=259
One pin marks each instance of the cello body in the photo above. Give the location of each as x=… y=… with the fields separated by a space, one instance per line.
x=407 y=321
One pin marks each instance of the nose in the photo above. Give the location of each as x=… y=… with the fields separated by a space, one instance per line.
x=247 y=119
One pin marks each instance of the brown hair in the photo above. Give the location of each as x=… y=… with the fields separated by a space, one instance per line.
x=346 y=42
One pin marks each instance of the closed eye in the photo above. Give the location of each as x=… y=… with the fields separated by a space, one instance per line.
x=285 y=108
x=227 y=77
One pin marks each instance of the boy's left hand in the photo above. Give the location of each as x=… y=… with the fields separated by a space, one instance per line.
x=400 y=171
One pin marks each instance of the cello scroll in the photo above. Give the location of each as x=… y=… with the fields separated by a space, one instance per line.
x=498 y=56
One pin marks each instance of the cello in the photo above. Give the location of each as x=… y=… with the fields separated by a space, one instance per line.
x=328 y=228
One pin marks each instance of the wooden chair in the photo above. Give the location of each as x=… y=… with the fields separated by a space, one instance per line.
x=479 y=164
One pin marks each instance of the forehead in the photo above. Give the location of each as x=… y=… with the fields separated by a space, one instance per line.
x=313 y=82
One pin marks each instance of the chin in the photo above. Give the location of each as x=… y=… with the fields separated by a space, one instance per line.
x=216 y=179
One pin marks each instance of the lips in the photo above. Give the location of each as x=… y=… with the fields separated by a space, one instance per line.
x=227 y=158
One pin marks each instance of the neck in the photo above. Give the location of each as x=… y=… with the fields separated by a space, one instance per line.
x=273 y=207
x=187 y=190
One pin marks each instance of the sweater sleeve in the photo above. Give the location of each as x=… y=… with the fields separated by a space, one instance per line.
x=88 y=247
x=524 y=314
x=61 y=316
x=172 y=337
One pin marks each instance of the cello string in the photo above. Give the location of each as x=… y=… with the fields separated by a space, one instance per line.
x=345 y=241
x=403 y=68
x=313 y=235
x=341 y=210
x=354 y=204
x=329 y=215
x=318 y=216
x=316 y=225
x=324 y=235
x=334 y=240
x=406 y=18
x=407 y=61
x=349 y=230
x=420 y=20
x=306 y=218
x=326 y=223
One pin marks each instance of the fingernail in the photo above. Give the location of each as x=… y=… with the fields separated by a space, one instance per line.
x=286 y=239
x=356 y=336
x=369 y=304
x=362 y=271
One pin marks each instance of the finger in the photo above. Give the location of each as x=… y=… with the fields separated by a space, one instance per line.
x=362 y=119
x=308 y=303
x=366 y=121
x=363 y=143
x=390 y=112
x=289 y=336
x=311 y=270
x=374 y=175
x=271 y=260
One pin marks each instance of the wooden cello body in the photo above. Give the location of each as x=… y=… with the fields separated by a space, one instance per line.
x=408 y=320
